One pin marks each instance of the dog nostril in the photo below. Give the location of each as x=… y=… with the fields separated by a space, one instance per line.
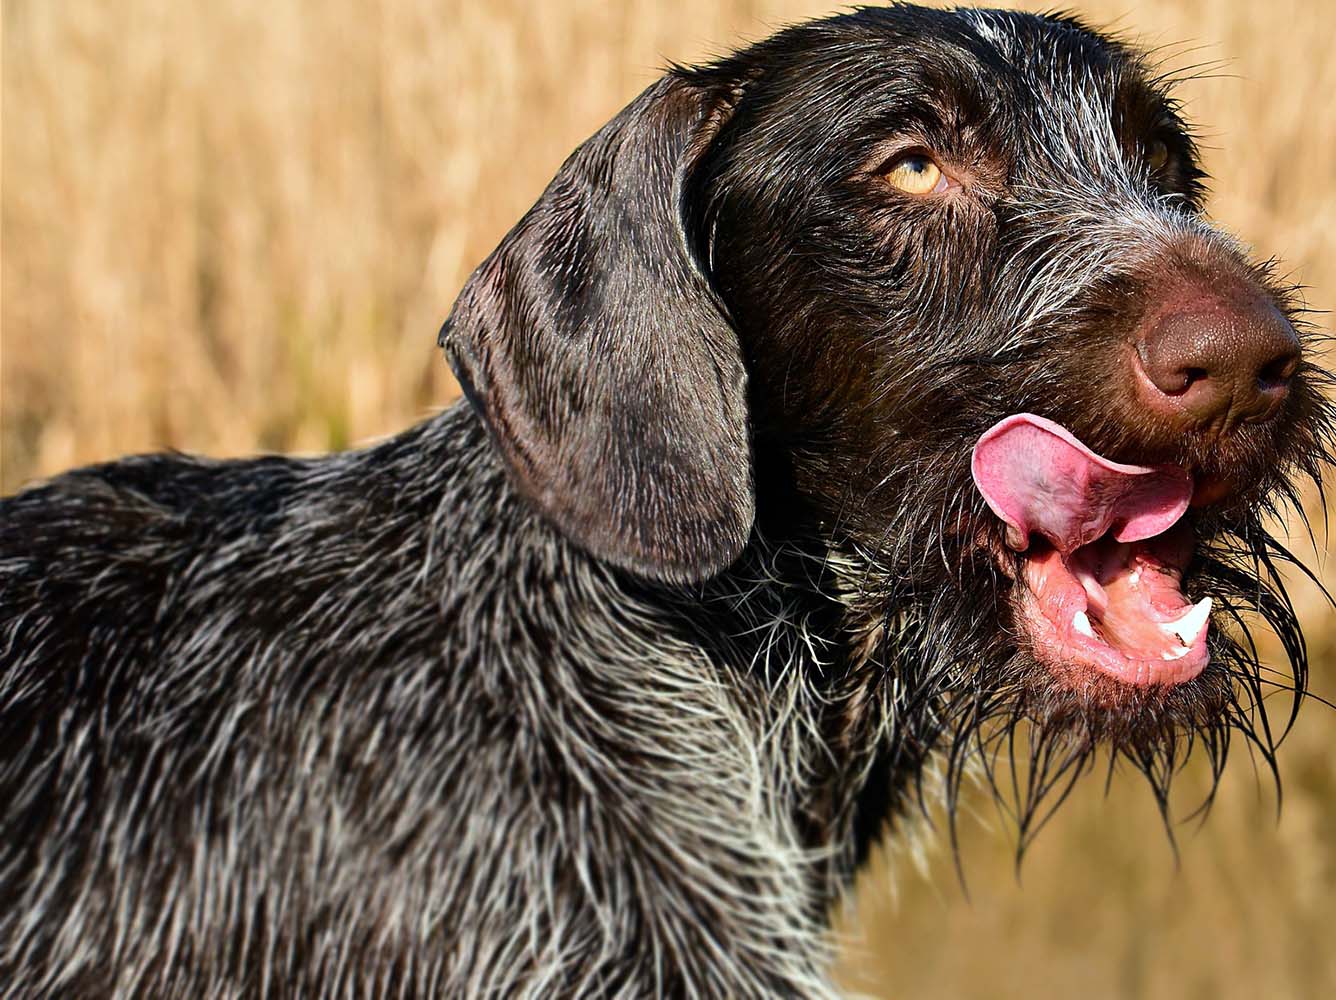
x=1192 y=375
x=1276 y=374
x=1163 y=359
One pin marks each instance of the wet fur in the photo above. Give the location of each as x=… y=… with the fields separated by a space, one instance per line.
x=603 y=682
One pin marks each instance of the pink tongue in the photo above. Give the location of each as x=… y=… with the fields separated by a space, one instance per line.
x=1038 y=477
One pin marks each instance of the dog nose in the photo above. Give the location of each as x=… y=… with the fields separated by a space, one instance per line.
x=1232 y=362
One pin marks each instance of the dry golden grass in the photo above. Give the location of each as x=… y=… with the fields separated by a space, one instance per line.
x=237 y=226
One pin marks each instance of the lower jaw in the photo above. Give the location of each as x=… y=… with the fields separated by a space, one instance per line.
x=1077 y=661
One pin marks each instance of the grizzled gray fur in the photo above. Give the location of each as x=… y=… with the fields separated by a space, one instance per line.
x=602 y=682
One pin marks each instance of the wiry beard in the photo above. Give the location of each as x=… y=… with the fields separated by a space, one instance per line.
x=965 y=691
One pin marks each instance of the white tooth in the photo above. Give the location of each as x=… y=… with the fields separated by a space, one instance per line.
x=1096 y=597
x=1081 y=623
x=1190 y=624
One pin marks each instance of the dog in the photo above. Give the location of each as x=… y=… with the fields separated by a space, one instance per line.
x=862 y=402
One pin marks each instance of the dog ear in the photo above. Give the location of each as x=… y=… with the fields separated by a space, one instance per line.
x=600 y=359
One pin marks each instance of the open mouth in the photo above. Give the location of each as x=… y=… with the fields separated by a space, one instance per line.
x=1103 y=554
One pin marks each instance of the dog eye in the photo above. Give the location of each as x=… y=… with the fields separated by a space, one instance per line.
x=916 y=173
x=1157 y=155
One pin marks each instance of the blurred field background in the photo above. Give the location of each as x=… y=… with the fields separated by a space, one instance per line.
x=237 y=226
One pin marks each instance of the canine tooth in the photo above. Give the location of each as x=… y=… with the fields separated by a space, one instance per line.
x=1081 y=623
x=1190 y=625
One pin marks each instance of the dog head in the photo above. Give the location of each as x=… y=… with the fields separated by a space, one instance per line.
x=940 y=280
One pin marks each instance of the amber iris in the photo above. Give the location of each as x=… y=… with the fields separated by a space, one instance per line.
x=916 y=173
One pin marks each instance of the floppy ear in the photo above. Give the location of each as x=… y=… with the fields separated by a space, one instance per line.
x=601 y=361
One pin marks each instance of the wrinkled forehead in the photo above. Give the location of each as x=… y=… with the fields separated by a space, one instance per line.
x=1031 y=88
